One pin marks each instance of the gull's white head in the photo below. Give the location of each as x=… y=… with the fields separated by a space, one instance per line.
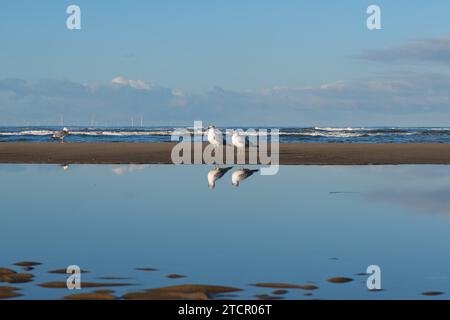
x=212 y=178
x=236 y=178
x=65 y=129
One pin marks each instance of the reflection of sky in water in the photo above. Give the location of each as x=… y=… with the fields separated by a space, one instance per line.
x=283 y=228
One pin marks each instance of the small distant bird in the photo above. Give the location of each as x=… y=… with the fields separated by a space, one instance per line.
x=240 y=175
x=215 y=174
x=61 y=134
x=214 y=136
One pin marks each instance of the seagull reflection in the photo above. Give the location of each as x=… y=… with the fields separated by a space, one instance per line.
x=215 y=174
x=240 y=175
x=65 y=166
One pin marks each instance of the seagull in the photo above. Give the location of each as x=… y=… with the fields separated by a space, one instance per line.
x=61 y=134
x=239 y=141
x=240 y=175
x=214 y=136
x=215 y=174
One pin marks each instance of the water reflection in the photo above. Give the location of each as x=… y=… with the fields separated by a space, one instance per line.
x=149 y=215
x=434 y=201
x=215 y=174
x=241 y=175
x=238 y=175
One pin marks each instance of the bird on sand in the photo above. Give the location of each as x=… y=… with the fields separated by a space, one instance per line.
x=215 y=174
x=240 y=175
x=240 y=141
x=214 y=136
x=61 y=134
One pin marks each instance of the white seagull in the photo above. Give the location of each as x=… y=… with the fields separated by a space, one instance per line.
x=240 y=175
x=214 y=136
x=215 y=174
x=239 y=141
x=61 y=134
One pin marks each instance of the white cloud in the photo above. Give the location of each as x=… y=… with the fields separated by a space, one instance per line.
x=410 y=99
x=136 y=84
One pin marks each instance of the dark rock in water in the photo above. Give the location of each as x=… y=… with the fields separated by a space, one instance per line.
x=64 y=271
x=278 y=292
x=186 y=291
x=361 y=274
x=9 y=294
x=63 y=285
x=267 y=297
x=90 y=296
x=6 y=271
x=432 y=293
x=285 y=286
x=27 y=264
x=17 y=278
x=146 y=269
x=175 y=276
x=340 y=280
x=28 y=268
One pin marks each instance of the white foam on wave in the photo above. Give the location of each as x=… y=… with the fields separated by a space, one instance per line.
x=28 y=133
x=338 y=129
x=325 y=134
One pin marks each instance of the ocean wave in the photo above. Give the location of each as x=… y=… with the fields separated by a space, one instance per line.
x=160 y=134
x=337 y=129
x=324 y=134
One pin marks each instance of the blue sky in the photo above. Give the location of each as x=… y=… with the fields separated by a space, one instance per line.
x=225 y=49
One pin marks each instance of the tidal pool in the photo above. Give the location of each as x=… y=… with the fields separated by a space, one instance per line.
x=302 y=226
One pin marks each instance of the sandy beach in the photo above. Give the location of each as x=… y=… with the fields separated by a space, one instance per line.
x=290 y=153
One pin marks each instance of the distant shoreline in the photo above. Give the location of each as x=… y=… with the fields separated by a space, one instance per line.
x=159 y=153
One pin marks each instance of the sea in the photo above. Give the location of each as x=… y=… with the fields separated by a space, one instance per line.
x=286 y=134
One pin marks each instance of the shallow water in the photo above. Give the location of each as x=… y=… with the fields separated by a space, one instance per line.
x=305 y=224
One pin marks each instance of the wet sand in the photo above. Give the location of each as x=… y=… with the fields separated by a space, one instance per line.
x=289 y=153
